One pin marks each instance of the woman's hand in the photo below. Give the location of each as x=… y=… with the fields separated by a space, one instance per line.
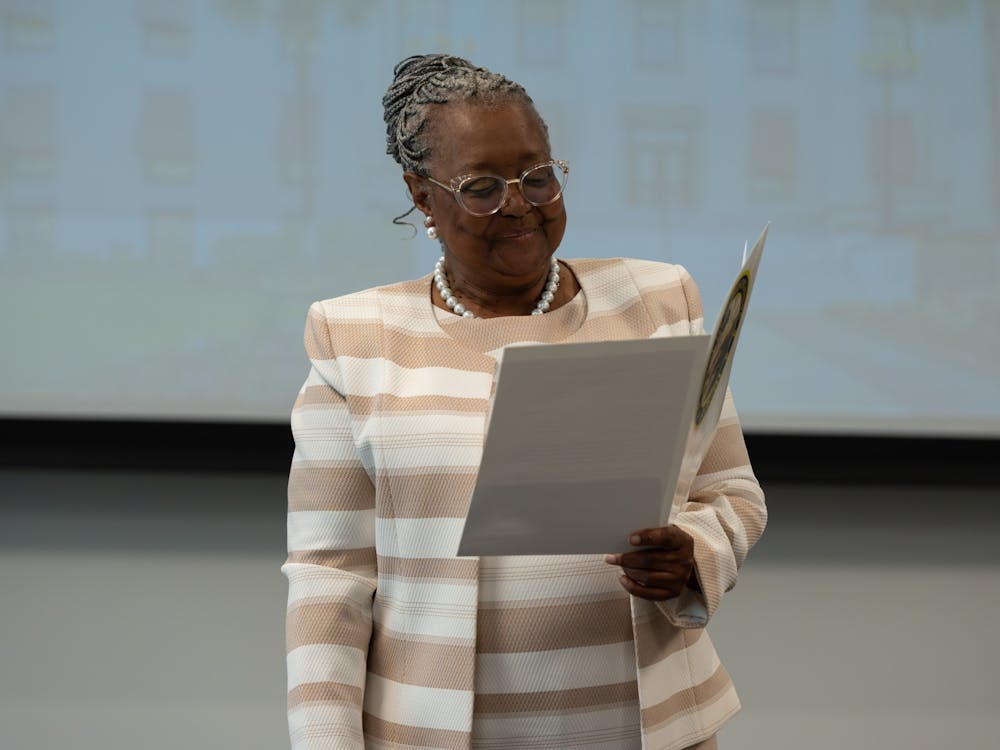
x=662 y=568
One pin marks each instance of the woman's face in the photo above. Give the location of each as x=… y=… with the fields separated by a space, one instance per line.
x=509 y=250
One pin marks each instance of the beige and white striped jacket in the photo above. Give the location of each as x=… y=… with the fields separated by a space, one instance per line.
x=381 y=623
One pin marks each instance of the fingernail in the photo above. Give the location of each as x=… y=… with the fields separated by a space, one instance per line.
x=635 y=539
x=612 y=559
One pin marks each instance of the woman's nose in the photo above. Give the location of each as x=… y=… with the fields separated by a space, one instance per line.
x=514 y=204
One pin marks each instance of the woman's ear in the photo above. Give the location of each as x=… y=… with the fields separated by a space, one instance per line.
x=418 y=191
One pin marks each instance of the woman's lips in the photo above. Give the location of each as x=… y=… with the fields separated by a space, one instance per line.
x=517 y=235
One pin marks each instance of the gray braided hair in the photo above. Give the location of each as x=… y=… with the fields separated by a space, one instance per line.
x=421 y=80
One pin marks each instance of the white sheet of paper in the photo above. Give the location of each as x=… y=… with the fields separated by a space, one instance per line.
x=584 y=445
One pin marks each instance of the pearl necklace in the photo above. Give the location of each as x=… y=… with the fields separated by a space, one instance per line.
x=543 y=304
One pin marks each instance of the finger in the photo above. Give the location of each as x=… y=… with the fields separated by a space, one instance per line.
x=667 y=537
x=613 y=559
x=646 y=592
x=660 y=536
x=655 y=559
x=673 y=579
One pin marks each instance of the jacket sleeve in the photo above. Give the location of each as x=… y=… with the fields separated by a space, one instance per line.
x=724 y=511
x=331 y=559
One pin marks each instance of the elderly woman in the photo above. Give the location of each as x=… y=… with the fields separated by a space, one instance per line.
x=393 y=642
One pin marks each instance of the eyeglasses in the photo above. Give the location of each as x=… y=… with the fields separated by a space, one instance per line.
x=485 y=194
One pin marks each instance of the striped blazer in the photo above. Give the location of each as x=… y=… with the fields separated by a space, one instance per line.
x=388 y=427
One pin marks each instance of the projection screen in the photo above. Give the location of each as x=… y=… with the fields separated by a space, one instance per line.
x=179 y=180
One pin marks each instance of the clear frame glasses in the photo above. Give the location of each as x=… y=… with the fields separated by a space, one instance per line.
x=485 y=194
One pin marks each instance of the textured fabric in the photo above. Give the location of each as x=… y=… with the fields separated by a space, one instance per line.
x=710 y=744
x=383 y=620
x=555 y=662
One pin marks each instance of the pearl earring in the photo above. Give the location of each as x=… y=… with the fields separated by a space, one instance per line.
x=432 y=232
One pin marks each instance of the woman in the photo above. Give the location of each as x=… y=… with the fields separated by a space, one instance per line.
x=393 y=641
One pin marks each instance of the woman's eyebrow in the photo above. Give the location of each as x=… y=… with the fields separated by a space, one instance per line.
x=527 y=160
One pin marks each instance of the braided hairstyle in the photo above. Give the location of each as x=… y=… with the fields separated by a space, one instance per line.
x=422 y=80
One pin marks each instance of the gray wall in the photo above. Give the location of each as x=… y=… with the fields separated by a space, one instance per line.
x=147 y=609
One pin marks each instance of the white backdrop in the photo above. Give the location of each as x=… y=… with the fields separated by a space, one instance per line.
x=179 y=180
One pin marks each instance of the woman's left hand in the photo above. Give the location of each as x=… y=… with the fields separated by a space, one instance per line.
x=662 y=568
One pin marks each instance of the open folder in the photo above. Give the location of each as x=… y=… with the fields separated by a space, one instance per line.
x=589 y=442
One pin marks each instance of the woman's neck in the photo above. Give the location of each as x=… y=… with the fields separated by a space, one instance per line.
x=491 y=304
